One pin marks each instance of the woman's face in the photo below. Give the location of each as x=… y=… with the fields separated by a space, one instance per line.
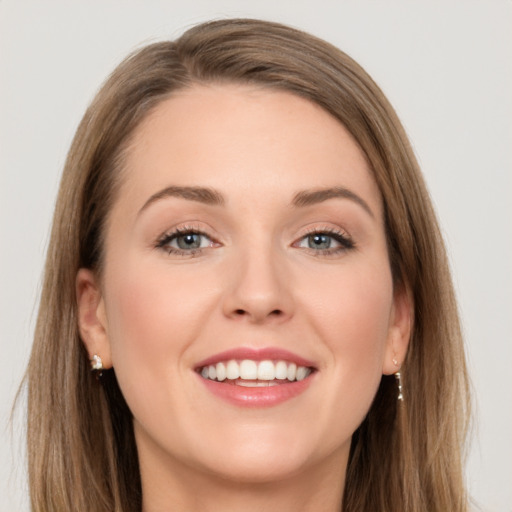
x=247 y=237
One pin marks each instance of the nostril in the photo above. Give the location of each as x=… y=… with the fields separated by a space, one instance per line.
x=243 y=312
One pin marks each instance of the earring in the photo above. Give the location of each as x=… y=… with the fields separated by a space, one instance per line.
x=398 y=378
x=96 y=363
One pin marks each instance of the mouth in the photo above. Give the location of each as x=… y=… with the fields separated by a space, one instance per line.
x=256 y=378
x=251 y=373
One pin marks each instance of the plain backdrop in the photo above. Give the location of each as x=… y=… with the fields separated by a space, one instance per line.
x=447 y=68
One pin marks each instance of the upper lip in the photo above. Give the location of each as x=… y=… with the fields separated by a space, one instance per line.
x=256 y=354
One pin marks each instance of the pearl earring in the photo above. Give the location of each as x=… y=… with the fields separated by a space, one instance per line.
x=96 y=363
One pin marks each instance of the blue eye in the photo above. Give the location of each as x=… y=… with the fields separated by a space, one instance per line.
x=184 y=242
x=325 y=242
x=319 y=241
x=188 y=241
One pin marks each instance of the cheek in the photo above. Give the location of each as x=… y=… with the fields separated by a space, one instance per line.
x=353 y=320
x=153 y=317
x=352 y=311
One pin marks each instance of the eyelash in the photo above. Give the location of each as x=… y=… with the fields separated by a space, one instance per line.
x=346 y=243
x=164 y=241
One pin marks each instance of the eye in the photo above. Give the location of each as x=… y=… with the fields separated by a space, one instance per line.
x=325 y=242
x=189 y=241
x=318 y=241
x=184 y=242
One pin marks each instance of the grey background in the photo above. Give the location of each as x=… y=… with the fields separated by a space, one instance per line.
x=445 y=65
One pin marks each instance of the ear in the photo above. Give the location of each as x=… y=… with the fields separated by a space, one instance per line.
x=92 y=318
x=399 y=334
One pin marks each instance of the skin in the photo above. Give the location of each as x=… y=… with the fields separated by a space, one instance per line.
x=256 y=282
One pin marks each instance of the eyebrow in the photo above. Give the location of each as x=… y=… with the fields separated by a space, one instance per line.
x=200 y=194
x=310 y=197
x=301 y=199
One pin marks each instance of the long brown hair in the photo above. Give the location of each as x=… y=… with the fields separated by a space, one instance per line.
x=404 y=456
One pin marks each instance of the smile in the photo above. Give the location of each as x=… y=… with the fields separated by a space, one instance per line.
x=248 y=377
x=251 y=373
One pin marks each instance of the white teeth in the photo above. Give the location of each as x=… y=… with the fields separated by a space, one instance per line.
x=221 y=371
x=292 y=369
x=251 y=373
x=255 y=384
x=302 y=373
x=281 y=370
x=266 y=370
x=248 y=369
x=232 y=370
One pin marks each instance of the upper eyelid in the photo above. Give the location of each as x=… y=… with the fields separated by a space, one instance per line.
x=328 y=230
x=177 y=233
x=184 y=229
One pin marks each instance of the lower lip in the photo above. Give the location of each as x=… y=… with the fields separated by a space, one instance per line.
x=257 y=397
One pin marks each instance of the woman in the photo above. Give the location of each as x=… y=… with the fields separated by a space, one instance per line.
x=245 y=254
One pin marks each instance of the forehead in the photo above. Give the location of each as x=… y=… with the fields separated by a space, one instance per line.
x=244 y=139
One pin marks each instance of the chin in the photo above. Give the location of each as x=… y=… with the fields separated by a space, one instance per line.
x=263 y=455
x=261 y=469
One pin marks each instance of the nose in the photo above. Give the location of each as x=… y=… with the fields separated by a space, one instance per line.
x=259 y=290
